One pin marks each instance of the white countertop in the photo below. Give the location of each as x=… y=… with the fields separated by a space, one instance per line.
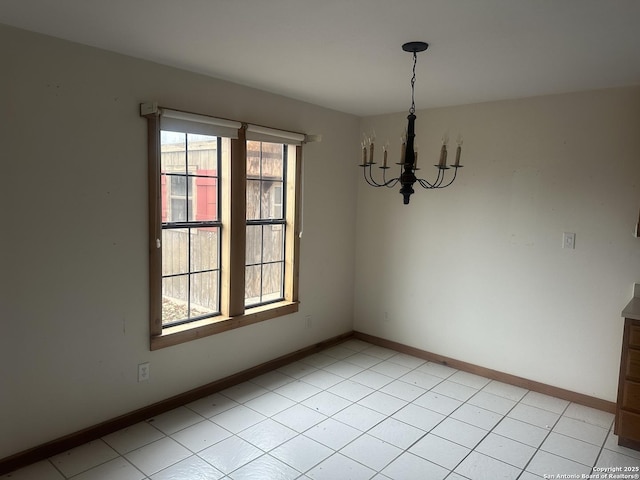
x=632 y=310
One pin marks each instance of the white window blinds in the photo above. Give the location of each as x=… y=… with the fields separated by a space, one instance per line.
x=174 y=120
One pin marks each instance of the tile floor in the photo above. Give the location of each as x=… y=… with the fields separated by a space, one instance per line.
x=354 y=411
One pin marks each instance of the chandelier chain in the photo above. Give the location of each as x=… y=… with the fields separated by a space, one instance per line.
x=412 y=110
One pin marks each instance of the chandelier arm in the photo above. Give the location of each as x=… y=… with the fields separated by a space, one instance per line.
x=451 y=181
x=435 y=184
x=372 y=181
x=369 y=178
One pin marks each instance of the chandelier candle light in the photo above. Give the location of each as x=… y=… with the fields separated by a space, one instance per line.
x=409 y=151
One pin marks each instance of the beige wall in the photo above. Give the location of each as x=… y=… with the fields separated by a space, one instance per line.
x=476 y=272
x=73 y=298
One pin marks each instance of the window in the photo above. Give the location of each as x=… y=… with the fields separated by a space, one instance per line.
x=223 y=221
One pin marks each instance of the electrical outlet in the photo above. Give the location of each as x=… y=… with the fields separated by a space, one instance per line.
x=143 y=372
x=307 y=321
x=568 y=240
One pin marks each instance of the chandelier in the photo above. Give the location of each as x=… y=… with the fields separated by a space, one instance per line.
x=409 y=155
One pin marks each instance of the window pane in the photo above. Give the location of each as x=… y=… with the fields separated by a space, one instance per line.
x=175 y=251
x=272 y=161
x=254 y=244
x=253 y=199
x=204 y=249
x=273 y=243
x=174 y=298
x=253 y=159
x=253 y=285
x=204 y=293
x=173 y=152
x=203 y=153
x=272 y=282
x=206 y=199
x=271 y=200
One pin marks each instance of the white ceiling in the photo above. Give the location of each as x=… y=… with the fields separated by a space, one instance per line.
x=346 y=54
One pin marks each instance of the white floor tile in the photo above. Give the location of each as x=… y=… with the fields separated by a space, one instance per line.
x=243 y=392
x=43 y=470
x=505 y=390
x=492 y=402
x=581 y=430
x=267 y=434
x=477 y=416
x=175 y=420
x=371 y=451
x=590 y=415
x=363 y=360
x=272 y=380
x=411 y=467
x=454 y=390
x=403 y=390
x=506 y=450
x=84 y=457
x=327 y=403
x=135 y=436
x=396 y=433
x=333 y=434
x=201 y=435
x=238 y=418
x=301 y=453
x=372 y=379
x=546 y=402
x=614 y=459
x=383 y=403
x=528 y=476
x=533 y=415
x=269 y=404
x=297 y=369
x=339 y=352
x=480 y=467
x=521 y=432
x=339 y=466
x=459 y=432
x=419 y=417
x=469 y=379
x=407 y=360
x=343 y=369
x=192 y=468
x=440 y=451
x=158 y=455
x=297 y=391
x=390 y=369
x=351 y=390
x=230 y=454
x=322 y=379
x=212 y=405
x=380 y=352
x=356 y=345
x=299 y=418
x=612 y=444
x=544 y=463
x=359 y=417
x=438 y=402
x=319 y=360
x=571 y=448
x=437 y=370
x=116 y=469
x=266 y=467
x=421 y=379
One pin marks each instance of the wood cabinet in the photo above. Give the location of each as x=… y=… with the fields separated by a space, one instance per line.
x=627 y=425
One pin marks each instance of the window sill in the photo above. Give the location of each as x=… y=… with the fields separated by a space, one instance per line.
x=211 y=326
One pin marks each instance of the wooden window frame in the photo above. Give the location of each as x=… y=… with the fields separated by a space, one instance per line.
x=233 y=234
